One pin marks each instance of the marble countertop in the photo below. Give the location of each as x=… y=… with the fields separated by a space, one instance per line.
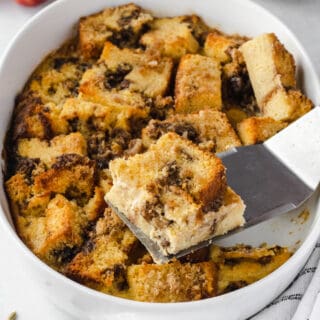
x=17 y=291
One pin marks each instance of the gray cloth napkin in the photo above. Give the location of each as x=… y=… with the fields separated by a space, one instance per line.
x=297 y=301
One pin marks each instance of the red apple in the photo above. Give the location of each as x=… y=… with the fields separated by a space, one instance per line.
x=30 y=3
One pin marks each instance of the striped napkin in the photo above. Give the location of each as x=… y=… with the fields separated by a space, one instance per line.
x=298 y=301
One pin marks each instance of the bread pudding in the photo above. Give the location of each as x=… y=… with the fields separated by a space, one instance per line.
x=119 y=90
x=179 y=194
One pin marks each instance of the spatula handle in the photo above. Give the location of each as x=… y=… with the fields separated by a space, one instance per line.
x=298 y=147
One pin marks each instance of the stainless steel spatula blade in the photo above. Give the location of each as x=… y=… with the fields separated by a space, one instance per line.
x=272 y=178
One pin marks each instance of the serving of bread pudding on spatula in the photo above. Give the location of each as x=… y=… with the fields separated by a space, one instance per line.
x=176 y=194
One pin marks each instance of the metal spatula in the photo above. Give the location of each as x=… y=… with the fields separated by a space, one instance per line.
x=272 y=178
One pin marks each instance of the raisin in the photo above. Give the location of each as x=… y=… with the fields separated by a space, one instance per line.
x=172 y=174
x=121 y=137
x=123 y=38
x=186 y=130
x=26 y=166
x=235 y=285
x=59 y=62
x=115 y=78
x=265 y=260
x=127 y=17
x=65 y=254
x=67 y=161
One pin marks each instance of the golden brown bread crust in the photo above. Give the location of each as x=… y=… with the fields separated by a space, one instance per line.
x=209 y=129
x=272 y=73
x=48 y=151
x=57 y=235
x=121 y=25
x=173 y=282
x=269 y=64
x=71 y=174
x=105 y=255
x=286 y=105
x=220 y=46
x=175 y=37
x=258 y=129
x=140 y=71
x=198 y=84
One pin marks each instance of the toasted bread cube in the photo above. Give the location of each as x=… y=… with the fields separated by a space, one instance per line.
x=57 y=235
x=269 y=64
x=94 y=88
x=286 y=105
x=34 y=119
x=175 y=37
x=198 y=84
x=175 y=193
x=71 y=174
x=31 y=119
x=103 y=117
x=47 y=151
x=64 y=221
x=121 y=25
x=96 y=205
x=239 y=267
x=18 y=191
x=110 y=130
x=139 y=71
x=23 y=201
x=104 y=257
x=209 y=129
x=258 y=129
x=57 y=79
x=172 y=282
x=218 y=46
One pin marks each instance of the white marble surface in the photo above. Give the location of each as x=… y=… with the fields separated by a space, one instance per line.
x=17 y=291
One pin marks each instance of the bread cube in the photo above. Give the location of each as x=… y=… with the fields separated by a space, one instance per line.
x=218 y=46
x=94 y=88
x=18 y=191
x=239 y=267
x=175 y=37
x=23 y=201
x=121 y=25
x=47 y=151
x=258 y=129
x=110 y=130
x=209 y=129
x=175 y=193
x=198 y=84
x=172 y=282
x=58 y=78
x=96 y=205
x=105 y=255
x=57 y=234
x=286 y=105
x=71 y=174
x=102 y=117
x=270 y=66
x=136 y=70
x=63 y=225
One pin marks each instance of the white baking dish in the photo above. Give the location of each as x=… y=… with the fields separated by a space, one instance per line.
x=45 y=32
